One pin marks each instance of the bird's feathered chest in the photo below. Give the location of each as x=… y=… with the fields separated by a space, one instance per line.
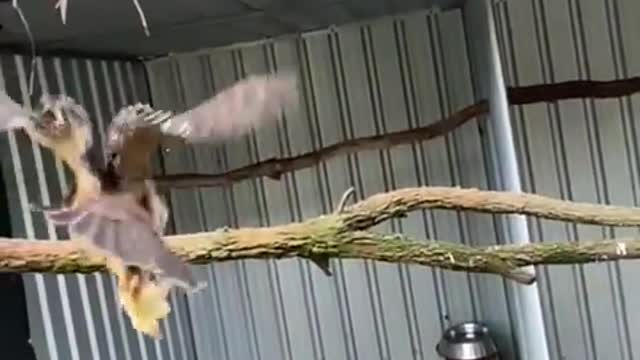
x=110 y=180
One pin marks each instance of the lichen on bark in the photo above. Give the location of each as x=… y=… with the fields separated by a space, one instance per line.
x=344 y=234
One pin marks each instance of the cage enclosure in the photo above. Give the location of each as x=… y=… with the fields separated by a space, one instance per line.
x=533 y=96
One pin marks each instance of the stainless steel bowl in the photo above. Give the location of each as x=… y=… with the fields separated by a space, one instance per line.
x=467 y=341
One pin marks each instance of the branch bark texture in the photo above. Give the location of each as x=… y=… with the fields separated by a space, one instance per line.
x=275 y=167
x=343 y=235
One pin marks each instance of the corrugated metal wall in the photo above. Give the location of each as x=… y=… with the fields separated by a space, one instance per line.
x=74 y=317
x=358 y=80
x=585 y=150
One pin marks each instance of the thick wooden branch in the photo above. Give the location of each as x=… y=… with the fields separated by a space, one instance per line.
x=342 y=235
x=274 y=168
x=63 y=257
x=383 y=206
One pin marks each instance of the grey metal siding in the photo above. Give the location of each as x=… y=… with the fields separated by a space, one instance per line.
x=357 y=80
x=72 y=317
x=584 y=150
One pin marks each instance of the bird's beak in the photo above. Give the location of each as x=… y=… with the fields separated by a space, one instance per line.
x=59 y=117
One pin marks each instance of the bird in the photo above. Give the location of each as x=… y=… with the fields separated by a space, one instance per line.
x=113 y=206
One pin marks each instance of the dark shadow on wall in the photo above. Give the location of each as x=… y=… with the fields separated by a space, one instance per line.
x=14 y=323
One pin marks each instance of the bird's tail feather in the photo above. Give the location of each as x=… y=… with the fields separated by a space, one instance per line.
x=116 y=229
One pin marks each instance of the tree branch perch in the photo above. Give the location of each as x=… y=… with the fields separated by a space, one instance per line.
x=343 y=235
x=383 y=206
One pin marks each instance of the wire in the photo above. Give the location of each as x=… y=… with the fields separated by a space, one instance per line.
x=31 y=41
x=142 y=17
x=62 y=5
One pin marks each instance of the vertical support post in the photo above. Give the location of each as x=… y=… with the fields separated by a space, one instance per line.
x=529 y=322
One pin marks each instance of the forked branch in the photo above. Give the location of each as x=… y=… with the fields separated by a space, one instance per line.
x=343 y=234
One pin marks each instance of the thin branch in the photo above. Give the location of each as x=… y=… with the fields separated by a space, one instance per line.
x=62 y=5
x=143 y=18
x=342 y=235
x=575 y=89
x=274 y=168
x=343 y=200
x=32 y=43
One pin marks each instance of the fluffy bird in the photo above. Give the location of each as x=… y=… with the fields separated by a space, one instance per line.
x=114 y=206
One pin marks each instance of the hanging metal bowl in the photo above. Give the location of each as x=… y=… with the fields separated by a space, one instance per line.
x=467 y=341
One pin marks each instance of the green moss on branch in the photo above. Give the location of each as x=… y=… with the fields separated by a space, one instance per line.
x=342 y=235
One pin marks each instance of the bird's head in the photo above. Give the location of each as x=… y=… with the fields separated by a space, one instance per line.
x=60 y=118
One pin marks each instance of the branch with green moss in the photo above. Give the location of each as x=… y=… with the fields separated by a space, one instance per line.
x=343 y=235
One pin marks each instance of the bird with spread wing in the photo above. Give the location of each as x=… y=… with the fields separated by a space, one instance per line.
x=113 y=206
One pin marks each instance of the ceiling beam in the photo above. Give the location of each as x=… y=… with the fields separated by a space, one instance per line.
x=287 y=12
x=25 y=50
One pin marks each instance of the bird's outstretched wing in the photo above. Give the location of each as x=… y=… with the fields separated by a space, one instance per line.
x=58 y=123
x=61 y=125
x=12 y=115
x=113 y=224
x=249 y=103
x=236 y=110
